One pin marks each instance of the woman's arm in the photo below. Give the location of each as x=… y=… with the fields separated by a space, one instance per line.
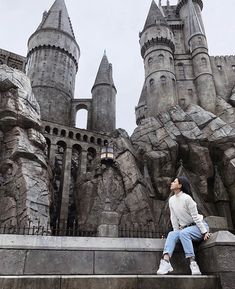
x=192 y=207
x=174 y=220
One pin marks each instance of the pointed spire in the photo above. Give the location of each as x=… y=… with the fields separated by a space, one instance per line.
x=58 y=18
x=105 y=72
x=155 y=15
x=195 y=26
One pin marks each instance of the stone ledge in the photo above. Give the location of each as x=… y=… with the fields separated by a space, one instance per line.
x=80 y=243
x=109 y=282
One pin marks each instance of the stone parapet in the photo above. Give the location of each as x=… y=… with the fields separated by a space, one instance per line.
x=45 y=255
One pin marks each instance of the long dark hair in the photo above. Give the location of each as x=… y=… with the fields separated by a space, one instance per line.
x=186 y=188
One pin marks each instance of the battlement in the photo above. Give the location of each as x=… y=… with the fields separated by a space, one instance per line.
x=13 y=60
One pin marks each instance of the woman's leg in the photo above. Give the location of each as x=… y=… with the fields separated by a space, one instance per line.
x=171 y=240
x=186 y=237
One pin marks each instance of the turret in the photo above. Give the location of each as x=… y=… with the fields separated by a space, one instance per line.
x=53 y=55
x=157 y=49
x=104 y=99
x=196 y=43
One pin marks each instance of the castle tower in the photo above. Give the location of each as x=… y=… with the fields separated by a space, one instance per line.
x=104 y=99
x=196 y=43
x=157 y=49
x=53 y=55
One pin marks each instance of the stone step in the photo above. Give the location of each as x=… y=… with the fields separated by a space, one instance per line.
x=110 y=282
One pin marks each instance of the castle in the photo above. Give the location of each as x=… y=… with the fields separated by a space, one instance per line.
x=185 y=115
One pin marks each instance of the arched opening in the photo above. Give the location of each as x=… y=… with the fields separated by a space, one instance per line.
x=81 y=118
x=47 y=129
x=70 y=134
x=78 y=136
x=63 y=133
x=85 y=138
x=92 y=139
x=55 y=131
x=99 y=141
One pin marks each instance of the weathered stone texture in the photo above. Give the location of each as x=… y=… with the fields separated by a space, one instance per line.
x=24 y=178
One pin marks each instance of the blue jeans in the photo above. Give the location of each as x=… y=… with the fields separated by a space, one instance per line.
x=185 y=236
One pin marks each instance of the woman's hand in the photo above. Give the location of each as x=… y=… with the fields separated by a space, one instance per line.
x=206 y=236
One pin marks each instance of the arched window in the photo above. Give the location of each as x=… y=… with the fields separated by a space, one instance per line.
x=1 y=62
x=78 y=136
x=163 y=80
x=150 y=60
x=63 y=133
x=47 y=129
x=171 y=60
x=151 y=81
x=85 y=138
x=81 y=118
x=70 y=134
x=55 y=131
x=161 y=58
x=204 y=61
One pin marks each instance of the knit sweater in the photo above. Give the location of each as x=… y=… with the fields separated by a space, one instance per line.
x=184 y=211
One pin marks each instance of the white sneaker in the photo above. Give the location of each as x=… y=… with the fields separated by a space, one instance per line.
x=194 y=268
x=164 y=268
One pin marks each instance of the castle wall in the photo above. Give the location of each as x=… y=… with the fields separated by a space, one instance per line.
x=223 y=68
x=13 y=60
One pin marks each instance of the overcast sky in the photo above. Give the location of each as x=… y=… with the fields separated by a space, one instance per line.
x=112 y=25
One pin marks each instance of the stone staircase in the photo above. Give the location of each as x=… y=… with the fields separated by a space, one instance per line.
x=109 y=282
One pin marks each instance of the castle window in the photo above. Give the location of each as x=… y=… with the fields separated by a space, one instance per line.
x=219 y=67
x=204 y=62
x=181 y=71
x=55 y=131
x=151 y=81
x=171 y=60
x=233 y=67
x=70 y=134
x=199 y=40
x=161 y=58
x=163 y=80
x=63 y=133
x=150 y=60
x=47 y=129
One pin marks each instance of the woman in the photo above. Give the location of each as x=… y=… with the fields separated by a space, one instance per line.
x=187 y=225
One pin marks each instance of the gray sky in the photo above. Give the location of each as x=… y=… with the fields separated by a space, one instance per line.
x=114 y=26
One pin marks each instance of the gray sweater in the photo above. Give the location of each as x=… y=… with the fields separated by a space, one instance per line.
x=184 y=212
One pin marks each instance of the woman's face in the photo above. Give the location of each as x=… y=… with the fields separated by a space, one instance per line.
x=175 y=185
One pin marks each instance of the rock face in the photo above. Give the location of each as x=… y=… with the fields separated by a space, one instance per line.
x=192 y=142
x=24 y=178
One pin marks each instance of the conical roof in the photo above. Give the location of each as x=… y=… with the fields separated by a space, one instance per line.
x=58 y=18
x=105 y=73
x=154 y=15
x=195 y=26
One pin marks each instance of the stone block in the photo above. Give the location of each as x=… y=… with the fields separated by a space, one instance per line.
x=217 y=255
x=216 y=223
x=38 y=282
x=179 y=282
x=125 y=263
x=12 y=262
x=99 y=282
x=64 y=262
x=108 y=231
